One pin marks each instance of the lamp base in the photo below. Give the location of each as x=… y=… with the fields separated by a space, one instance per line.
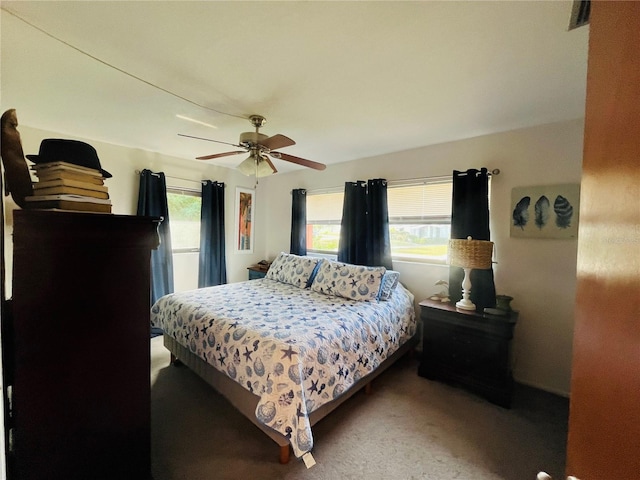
x=465 y=304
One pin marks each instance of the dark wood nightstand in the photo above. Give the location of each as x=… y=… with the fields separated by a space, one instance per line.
x=257 y=271
x=468 y=348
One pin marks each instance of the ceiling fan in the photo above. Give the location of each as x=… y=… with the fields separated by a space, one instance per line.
x=260 y=147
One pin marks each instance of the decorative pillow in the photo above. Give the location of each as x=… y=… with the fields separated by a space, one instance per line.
x=292 y=269
x=315 y=272
x=389 y=283
x=355 y=282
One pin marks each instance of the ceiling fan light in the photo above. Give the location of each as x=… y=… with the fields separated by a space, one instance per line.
x=255 y=166
x=248 y=166
x=264 y=169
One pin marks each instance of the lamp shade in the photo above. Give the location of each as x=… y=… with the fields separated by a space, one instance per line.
x=470 y=253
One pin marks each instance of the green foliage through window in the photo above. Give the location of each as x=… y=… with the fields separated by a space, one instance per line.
x=184 y=215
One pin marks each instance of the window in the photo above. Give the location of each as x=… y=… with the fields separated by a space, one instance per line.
x=324 y=214
x=419 y=220
x=184 y=218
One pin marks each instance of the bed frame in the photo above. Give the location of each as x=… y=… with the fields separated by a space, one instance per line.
x=246 y=402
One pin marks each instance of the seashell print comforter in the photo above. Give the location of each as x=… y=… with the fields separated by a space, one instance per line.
x=294 y=348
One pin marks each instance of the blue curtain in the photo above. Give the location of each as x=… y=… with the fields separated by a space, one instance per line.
x=298 y=222
x=378 y=240
x=470 y=217
x=152 y=202
x=352 y=246
x=364 y=231
x=212 y=268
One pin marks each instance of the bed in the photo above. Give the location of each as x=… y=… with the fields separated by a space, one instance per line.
x=288 y=349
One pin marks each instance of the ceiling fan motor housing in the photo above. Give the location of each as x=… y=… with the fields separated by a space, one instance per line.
x=252 y=138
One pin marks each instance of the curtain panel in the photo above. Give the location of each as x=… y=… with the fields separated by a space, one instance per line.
x=470 y=217
x=378 y=239
x=352 y=247
x=212 y=266
x=298 y=222
x=364 y=231
x=152 y=202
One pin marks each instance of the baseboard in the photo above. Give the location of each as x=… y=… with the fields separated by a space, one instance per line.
x=543 y=388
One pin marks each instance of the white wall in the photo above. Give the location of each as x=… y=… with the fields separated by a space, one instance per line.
x=539 y=274
x=122 y=163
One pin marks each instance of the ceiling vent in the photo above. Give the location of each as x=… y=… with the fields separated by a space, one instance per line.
x=580 y=13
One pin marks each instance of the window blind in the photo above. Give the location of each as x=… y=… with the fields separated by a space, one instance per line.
x=325 y=208
x=420 y=202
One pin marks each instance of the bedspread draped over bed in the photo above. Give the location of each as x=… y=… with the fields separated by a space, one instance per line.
x=296 y=349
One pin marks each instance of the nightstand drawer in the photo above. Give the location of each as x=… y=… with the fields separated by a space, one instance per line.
x=469 y=349
x=455 y=345
x=259 y=270
x=255 y=274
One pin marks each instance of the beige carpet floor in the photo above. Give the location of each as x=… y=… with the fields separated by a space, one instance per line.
x=408 y=428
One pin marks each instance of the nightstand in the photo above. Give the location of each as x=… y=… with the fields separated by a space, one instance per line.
x=468 y=348
x=257 y=271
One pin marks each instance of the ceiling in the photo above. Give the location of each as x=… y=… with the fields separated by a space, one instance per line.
x=345 y=80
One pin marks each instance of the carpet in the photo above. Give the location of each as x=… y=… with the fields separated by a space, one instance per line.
x=408 y=428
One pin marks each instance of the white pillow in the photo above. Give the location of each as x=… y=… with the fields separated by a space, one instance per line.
x=292 y=269
x=355 y=282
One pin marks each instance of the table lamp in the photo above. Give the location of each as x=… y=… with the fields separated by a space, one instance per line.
x=469 y=254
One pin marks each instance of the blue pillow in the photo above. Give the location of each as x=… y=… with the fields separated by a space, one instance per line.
x=315 y=271
x=389 y=283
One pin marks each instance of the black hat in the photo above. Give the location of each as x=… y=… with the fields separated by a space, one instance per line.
x=70 y=151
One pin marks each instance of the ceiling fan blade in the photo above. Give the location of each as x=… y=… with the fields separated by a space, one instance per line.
x=218 y=155
x=209 y=140
x=277 y=141
x=300 y=161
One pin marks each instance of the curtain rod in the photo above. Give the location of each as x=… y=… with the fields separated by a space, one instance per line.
x=138 y=172
x=494 y=172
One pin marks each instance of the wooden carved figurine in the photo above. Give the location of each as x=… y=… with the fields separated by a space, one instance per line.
x=17 y=179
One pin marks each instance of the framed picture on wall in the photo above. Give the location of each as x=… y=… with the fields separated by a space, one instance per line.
x=245 y=206
x=549 y=211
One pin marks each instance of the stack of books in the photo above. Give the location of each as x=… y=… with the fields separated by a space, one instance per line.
x=65 y=186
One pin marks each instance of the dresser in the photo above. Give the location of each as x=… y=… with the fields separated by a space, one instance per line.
x=76 y=346
x=469 y=349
